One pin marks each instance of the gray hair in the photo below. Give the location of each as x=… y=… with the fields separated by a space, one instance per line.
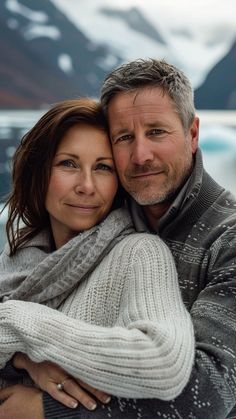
x=152 y=73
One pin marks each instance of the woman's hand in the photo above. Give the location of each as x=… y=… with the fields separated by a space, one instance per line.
x=20 y=402
x=48 y=375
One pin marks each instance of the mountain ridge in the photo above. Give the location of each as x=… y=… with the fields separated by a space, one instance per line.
x=47 y=57
x=220 y=84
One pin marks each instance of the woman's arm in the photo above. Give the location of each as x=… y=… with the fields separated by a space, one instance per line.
x=47 y=376
x=148 y=354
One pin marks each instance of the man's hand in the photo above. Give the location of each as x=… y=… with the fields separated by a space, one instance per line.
x=21 y=402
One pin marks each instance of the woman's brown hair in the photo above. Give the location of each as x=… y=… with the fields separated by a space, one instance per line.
x=32 y=163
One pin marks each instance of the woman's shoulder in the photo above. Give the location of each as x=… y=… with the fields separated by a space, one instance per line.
x=146 y=244
x=37 y=245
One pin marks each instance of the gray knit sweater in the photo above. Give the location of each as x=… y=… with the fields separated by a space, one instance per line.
x=200 y=229
x=110 y=331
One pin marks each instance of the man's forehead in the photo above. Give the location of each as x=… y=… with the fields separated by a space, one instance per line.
x=142 y=112
x=146 y=99
x=147 y=107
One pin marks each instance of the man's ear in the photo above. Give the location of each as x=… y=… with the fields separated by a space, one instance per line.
x=194 y=134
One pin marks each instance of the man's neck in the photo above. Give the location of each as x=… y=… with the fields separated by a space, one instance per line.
x=154 y=212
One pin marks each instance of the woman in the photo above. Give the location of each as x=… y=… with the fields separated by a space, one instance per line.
x=118 y=305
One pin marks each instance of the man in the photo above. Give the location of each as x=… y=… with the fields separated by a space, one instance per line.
x=154 y=135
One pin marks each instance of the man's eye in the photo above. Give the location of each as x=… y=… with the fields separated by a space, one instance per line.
x=156 y=131
x=125 y=137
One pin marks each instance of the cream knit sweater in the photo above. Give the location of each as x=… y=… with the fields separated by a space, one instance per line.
x=124 y=329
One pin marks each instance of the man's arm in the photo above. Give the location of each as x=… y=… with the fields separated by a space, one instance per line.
x=20 y=402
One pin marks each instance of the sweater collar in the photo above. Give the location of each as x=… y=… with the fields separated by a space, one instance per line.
x=41 y=240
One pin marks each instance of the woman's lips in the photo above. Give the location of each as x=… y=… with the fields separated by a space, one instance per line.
x=83 y=207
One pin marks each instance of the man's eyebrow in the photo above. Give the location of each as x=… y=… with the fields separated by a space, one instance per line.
x=126 y=130
x=153 y=124
x=120 y=131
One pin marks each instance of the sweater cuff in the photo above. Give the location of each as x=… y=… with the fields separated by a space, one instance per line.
x=12 y=374
x=55 y=410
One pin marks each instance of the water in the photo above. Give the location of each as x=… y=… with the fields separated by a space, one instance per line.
x=218 y=144
x=217 y=141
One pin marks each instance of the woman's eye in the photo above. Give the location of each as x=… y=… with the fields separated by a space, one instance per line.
x=105 y=167
x=67 y=163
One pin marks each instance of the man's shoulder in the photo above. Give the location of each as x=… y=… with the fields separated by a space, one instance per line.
x=224 y=209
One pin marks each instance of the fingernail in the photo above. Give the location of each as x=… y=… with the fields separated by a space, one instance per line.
x=74 y=404
x=91 y=405
x=106 y=399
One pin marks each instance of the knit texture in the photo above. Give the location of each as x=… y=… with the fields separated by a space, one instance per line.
x=200 y=229
x=44 y=277
x=110 y=332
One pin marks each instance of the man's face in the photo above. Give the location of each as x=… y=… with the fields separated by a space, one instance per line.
x=152 y=152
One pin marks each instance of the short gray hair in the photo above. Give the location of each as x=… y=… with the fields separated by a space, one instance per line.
x=152 y=73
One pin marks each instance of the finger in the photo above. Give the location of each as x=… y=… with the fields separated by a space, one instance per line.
x=6 y=392
x=100 y=395
x=61 y=396
x=72 y=388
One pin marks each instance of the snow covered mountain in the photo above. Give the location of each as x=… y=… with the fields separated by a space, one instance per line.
x=44 y=57
x=193 y=38
x=55 y=49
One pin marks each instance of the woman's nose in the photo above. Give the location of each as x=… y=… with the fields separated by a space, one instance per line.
x=85 y=184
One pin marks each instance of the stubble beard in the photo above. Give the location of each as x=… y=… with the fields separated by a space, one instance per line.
x=147 y=194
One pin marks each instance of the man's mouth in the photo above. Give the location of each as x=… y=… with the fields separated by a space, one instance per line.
x=144 y=175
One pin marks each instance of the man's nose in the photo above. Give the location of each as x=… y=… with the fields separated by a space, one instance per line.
x=85 y=184
x=141 y=151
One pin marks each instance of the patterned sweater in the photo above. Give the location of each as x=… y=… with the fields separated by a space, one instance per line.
x=200 y=229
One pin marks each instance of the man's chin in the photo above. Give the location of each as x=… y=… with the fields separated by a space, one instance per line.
x=148 y=200
x=154 y=199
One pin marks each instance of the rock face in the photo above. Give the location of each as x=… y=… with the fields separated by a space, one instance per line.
x=44 y=57
x=219 y=89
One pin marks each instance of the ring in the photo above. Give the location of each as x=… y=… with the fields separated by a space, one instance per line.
x=60 y=386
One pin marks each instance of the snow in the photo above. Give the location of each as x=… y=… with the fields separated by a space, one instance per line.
x=109 y=62
x=15 y=7
x=65 y=63
x=197 y=35
x=37 y=25
x=37 y=31
x=12 y=24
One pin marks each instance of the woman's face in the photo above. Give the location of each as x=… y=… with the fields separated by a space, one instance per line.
x=83 y=182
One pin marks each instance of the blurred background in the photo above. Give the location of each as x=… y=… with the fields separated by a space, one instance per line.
x=57 y=49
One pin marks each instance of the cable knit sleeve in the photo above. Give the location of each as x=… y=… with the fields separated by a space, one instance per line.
x=148 y=353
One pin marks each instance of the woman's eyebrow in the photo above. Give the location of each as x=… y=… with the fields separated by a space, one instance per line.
x=104 y=158
x=75 y=156
x=67 y=154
